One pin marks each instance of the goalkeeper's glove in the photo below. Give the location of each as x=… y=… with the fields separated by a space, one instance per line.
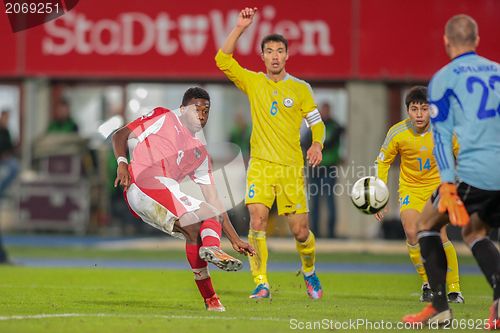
x=450 y=202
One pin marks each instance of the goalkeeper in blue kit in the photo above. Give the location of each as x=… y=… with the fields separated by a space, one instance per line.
x=465 y=101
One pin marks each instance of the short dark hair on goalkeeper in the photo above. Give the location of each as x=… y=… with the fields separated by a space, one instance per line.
x=417 y=94
x=273 y=38
x=194 y=92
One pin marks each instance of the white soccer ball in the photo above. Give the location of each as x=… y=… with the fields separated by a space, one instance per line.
x=369 y=195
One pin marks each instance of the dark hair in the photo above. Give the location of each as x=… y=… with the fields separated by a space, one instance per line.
x=194 y=92
x=417 y=94
x=273 y=38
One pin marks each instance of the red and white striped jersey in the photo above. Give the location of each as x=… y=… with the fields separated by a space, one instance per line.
x=166 y=148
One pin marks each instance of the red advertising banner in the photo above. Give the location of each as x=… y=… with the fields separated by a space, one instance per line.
x=179 y=40
x=404 y=39
x=329 y=39
x=8 y=40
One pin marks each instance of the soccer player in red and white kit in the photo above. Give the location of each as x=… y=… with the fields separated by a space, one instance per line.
x=166 y=152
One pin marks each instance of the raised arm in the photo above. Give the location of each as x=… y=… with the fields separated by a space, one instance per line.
x=245 y=18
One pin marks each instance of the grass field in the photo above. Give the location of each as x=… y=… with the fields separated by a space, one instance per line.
x=141 y=300
x=143 y=254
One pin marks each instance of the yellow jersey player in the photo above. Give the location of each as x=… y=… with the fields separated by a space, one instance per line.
x=279 y=102
x=418 y=178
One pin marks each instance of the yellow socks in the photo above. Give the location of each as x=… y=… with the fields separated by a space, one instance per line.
x=452 y=278
x=416 y=259
x=307 y=251
x=258 y=262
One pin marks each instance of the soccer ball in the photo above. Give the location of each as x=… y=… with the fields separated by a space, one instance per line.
x=369 y=195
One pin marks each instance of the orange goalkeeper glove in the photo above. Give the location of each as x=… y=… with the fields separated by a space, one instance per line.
x=450 y=202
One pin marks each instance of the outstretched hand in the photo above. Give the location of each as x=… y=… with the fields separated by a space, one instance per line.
x=314 y=155
x=450 y=202
x=380 y=215
x=122 y=176
x=246 y=17
x=243 y=248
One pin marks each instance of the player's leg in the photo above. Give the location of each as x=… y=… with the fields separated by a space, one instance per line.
x=434 y=258
x=484 y=210
x=160 y=202
x=452 y=274
x=487 y=216
x=259 y=198
x=304 y=241
x=475 y=235
x=211 y=251
x=259 y=215
x=199 y=267
x=210 y=231
x=305 y=244
x=192 y=211
x=410 y=207
x=291 y=201
x=148 y=206
x=409 y=219
x=162 y=206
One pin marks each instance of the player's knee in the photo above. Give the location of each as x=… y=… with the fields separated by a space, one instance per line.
x=206 y=211
x=258 y=224
x=190 y=225
x=258 y=221
x=192 y=233
x=470 y=235
x=433 y=223
x=411 y=238
x=300 y=232
x=411 y=230
x=475 y=230
x=189 y=219
x=467 y=237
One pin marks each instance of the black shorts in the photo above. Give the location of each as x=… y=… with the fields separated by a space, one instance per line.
x=485 y=203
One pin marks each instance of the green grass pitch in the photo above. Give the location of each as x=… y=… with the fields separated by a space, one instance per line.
x=140 y=300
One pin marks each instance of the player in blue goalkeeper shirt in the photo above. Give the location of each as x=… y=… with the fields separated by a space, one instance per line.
x=465 y=100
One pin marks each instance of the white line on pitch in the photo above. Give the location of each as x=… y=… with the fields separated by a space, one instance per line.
x=69 y=315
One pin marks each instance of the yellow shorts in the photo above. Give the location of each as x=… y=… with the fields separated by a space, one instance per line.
x=267 y=181
x=414 y=198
